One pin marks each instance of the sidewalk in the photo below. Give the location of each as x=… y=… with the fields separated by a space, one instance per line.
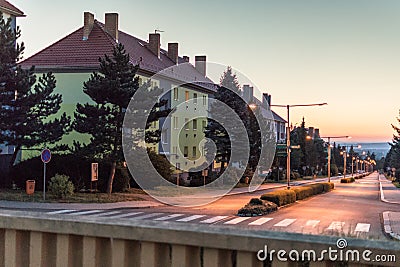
x=79 y=206
x=390 y=194
x=142 y=204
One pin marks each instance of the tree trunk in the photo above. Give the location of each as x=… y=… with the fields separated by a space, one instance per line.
x=111 y=177
x=14 y=156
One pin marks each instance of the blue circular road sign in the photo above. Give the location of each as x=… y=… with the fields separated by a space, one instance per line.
x=46 y=156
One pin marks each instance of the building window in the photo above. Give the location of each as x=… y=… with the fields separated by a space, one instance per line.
x=164 y=136
x=185 y=151
x=186 y=95
x=187 y=124
x=195 y=98
x=176 y=95
x=204 y=125
x=194 y=124
x=175 y=122
x=204 y=100
x=194 y=152
x=175 y=151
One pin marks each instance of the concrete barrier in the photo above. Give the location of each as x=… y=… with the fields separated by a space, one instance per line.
x=38 y=239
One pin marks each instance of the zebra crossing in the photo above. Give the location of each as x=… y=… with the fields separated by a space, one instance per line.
x=361 y=227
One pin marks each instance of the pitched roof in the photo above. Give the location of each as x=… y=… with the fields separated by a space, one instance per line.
x=9 y=8
x=278 y=118
x=74 y=54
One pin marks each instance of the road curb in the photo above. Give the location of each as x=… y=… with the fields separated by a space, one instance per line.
x=387 y=227
x=382 y=195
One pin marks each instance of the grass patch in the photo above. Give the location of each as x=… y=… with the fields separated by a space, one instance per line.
x=20 y=195
x=397 y=184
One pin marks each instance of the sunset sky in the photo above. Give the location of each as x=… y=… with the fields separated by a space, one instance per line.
x=344 y=52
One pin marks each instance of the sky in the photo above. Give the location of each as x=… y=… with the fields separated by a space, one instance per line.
x=343 y=52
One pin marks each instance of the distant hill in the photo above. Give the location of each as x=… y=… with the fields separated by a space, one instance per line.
x=380 y=149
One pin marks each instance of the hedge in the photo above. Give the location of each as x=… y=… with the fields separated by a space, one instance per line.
x=347 y=180
x=280 y=197
x=312 y=189
x=284 y=197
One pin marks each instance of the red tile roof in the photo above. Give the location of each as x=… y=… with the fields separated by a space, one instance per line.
x=72 y=53
x=6 y=6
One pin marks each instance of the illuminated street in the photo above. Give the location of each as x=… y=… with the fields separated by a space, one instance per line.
x=351 y=210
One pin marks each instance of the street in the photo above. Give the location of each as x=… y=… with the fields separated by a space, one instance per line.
x=351 y=210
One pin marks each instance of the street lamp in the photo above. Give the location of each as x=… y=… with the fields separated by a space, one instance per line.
x=329 y=151
x=288 y=134
x=344 y=153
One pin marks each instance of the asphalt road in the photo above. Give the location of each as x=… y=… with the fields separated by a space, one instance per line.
x=350 y=210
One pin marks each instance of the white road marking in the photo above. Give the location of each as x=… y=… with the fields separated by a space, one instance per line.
x=285 y=222
x=362 y=227
x=336 y=226
x=312 y=223
x=146 y=216
x=85 y=212
x=171 y=216
x=260 y=221
x=106 y=213
x=214 y=219
x=60 y=211
x=126 y=214
x=191 y=218
x=237 y=220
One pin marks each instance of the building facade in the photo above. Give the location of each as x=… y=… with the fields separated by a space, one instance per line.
x=73 y=59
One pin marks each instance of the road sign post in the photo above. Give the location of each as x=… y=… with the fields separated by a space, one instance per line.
x=95 y=175
x=46 y=157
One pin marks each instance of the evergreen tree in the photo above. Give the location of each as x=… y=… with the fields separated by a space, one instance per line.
x=393 y=157
x=26 y=103
x=228 y=92
x=111 y=89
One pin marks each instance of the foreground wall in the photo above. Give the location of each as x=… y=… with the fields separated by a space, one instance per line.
x=33 y=239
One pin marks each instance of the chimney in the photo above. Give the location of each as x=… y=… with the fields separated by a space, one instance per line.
x=200 y=64
x=173 y=52
x=266 y=100
x=186 y=59
x=311 y=132
x=316 y=134
x=88 y=21
x=111 y=26
x=154 y=43
x=248 y=93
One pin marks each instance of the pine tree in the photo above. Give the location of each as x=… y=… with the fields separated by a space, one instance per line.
x=228 y=92
x=25 y=102
x=393 y=157
x=111 y=89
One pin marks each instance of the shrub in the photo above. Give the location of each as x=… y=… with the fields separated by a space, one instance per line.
x=303 y=192
x=60 y=186
x=121 y=179
x=347 y=180
x=257 y=207
x=334 y=170
x=280 y=197
x=255 y=201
